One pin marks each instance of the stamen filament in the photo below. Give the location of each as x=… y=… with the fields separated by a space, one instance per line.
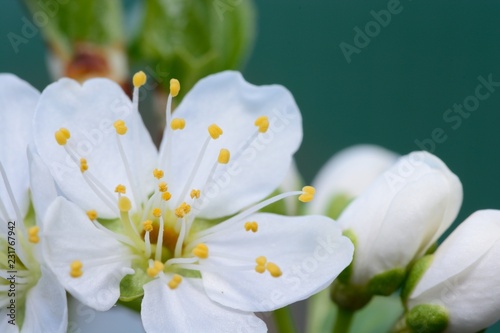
x=180 y=240
x=118 y=237
x=194 y=171
x=147 y=252
x=134 y=188
x=175 y=261
x=243 y=215
x=131 y=230
x=159 y=242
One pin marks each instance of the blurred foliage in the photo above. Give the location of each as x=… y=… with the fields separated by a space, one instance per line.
x=193 y=38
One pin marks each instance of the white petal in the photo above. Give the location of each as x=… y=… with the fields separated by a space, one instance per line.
x=17 y=106
x=46 y=309
x=310 y=251
x=401 y=214
x=188 y=309
x=227 y=100
x=89 y=112
x=349 y=172
x=71 y=236
x=464 y=274
x=43 y=188
x=117 y=319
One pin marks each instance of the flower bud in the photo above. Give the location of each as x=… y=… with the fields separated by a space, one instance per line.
x=395 y=221
x=463 y=277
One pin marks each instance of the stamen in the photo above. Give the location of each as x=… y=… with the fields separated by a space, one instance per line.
x=76 y=269
x=162 y=187
x=158 y=173
x=92 y=214
x=214 y=131
x=83 y=165
x=33 y=234
x=62 y=136
x=176 y=280
x=120 y=127
x=139 y=79
x=195 y=194
x=261 y=264
x=201 y=251
x=154 y=269
x=224 y=156
x=159 y=242
x=147 y=225
x=262 y=123
x=120 y=189
x=182 y=210
x=135 y=190
x=175 y=87
x=308 y=194
x=251 y=226
x=166 y=196
x=273 y=269
x=178 y=124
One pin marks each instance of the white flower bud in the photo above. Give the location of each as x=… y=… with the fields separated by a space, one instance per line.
x=398 y=217
x=463 y=276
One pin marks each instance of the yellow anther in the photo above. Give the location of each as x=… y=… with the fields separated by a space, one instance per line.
x=175 y=86
x=166 y=196
x=260 y=269
x=139 y=79
x=201 y=251
x=76 y=269
x=158 y=173
x=120 y=127
x=214 y=131
x=92 y=214
x=307 y=194
x=175 y=281
x=195 y=194
x=83 y=165
x=177 y=124
x=157 y=212
x=251 y=226
x=147 y=225
x=273 y=269
x=262 y=123
x=124 y=204
x=155 y=269
x=33 y=234
x=224 y=156
x=162 y=187
x=62 y=136
x=261 y=260
x=121 y=189
x=182 y=210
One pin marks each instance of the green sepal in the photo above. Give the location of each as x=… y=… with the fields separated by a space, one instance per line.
x=131 y=286
x=427 y=318
x=388 y=282
x=416 y=273
x=349 y=297
x=345 y=276
x=337 y=205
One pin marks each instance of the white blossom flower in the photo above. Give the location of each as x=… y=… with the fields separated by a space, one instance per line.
x=31 y=300
x=461 y=277
x=347 y=174
x=398 y=218
x=229 y=146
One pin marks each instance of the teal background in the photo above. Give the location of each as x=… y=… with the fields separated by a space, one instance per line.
x=395 y=91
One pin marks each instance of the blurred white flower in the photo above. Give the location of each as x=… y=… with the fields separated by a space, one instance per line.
x=462 y=277
x=347 y=174
x=31 y=300
x=195 y=276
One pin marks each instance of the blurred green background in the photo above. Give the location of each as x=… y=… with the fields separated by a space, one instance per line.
x=394 y=91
